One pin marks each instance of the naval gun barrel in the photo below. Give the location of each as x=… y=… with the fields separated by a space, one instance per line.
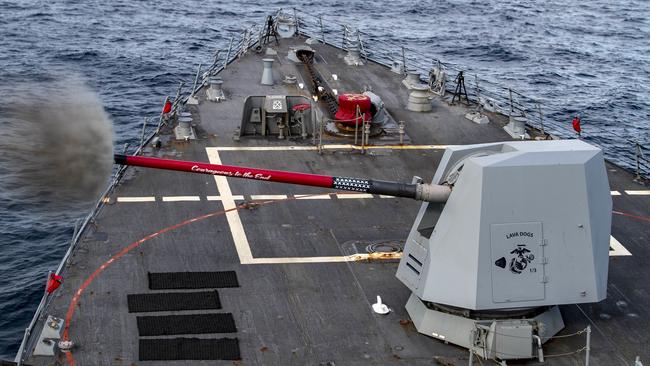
x=417 y=191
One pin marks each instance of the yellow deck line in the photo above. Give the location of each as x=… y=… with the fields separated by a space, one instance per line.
x=325 y=259
x=329 y=147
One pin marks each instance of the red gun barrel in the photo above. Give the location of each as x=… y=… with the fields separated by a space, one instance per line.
x=419 y=191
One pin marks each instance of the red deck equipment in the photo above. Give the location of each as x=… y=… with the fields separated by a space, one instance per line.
x=347 y=113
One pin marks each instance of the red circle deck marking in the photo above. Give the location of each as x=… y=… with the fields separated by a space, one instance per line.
x=130 y=247
x=642 y=218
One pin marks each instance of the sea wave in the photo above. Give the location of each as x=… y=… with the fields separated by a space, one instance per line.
x=566 y=54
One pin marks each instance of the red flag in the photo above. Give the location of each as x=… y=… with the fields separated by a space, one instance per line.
x=168 y=107
x=53 y=283
x=576 y=124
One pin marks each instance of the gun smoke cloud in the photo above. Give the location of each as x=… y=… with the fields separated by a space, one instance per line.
x=56 y=143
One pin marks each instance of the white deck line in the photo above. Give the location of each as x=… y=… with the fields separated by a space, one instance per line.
x=232 y=216
x=353 y=196
x=181 y=198
x=253 y=197
x=619 y=249
x=638 y=193
x=616 y=193
x=329 y=147
x=312 y=197
x=218 y=198
x=268 y=196
x=136 y=199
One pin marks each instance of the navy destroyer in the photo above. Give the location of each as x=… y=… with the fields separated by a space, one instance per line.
x=351 y=207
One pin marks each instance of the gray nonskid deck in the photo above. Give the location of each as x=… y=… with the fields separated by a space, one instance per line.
x=313 y=313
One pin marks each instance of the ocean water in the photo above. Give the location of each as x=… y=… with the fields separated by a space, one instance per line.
x=591 y=58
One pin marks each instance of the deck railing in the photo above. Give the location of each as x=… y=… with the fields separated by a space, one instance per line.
x=507 y=100
x=327 y=31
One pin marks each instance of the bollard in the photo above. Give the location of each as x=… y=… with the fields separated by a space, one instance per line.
x=184 y=128
x=412 y=77
x=215 y=91
x=419 y=99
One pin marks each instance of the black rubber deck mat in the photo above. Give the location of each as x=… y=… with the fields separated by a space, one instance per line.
x=186 y=324
x=173 y=301
x=189 y=349
x=192 y=280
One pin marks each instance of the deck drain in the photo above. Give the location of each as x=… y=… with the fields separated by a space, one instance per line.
x=384 y=247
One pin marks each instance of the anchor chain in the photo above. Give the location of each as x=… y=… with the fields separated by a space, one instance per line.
x=318 y=89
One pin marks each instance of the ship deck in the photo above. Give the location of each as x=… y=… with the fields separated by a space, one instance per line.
x=301 y=300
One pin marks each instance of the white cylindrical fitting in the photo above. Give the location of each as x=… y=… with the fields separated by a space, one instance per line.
x=215 y=84
x=517 y=125
x=419 y=99
x=184 y=126
x=413 y=77
x=432 y=192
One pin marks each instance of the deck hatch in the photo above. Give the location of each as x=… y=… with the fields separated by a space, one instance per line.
x=189 y=349
x=186 y=324
x=192 y=280
x=173 y=301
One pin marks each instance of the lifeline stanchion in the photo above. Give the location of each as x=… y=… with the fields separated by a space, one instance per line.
x=225 y=61
x=322 y=31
